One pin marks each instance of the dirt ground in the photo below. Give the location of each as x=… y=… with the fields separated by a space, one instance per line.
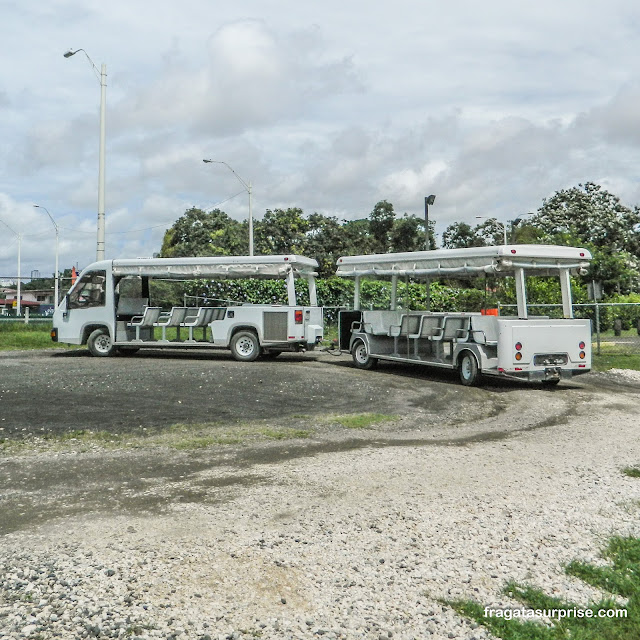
x=452 y=491
x=42 y=392
x=53 y=394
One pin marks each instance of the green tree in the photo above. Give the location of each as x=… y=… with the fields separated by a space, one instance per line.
x=407 y=234
x=202 y=233
x=358 y=239
x=591 y=214
x=381 y=222
x=281 y=231
x=460 y=235
x=326 y=241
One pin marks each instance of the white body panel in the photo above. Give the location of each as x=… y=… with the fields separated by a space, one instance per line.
x=543 y=340
x=94 y=303
x=535 y=349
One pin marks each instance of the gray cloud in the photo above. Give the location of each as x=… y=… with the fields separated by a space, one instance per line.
x=491 y=106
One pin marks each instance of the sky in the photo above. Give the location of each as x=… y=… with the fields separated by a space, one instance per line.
x=331 y=107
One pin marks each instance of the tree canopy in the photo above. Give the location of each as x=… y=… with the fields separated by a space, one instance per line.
x=281 y=231
x=586 y=215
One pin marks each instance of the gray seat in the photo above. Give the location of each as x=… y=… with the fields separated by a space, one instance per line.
x=147 y=319
x=409 y=324
x=430 y=328
x=454 y=329
x=201 y=319
x=171 y=319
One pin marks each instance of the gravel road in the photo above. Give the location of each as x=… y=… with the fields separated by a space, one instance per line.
x=345 y=534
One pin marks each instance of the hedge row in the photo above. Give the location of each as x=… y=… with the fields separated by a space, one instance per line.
x=335 y=293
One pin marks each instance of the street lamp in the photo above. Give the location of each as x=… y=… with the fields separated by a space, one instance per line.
x=516 y=221
x=102 y=75
x=248 y=189
x=504 y=227
x=427 y=201
x=57 y=276
x=19 y=236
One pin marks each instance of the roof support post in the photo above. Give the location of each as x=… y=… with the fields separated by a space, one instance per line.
x=394 y=292
x=565 y=286
x=356 y=294
x=291 y=288
x=521 y=292
x=313 y=294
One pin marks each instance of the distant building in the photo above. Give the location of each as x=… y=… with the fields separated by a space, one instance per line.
x=33 y=298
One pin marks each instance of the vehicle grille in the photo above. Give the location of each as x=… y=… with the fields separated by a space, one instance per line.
x=275 y=325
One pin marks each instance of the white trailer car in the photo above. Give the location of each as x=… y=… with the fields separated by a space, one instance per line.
x=110 y=310
x=532 y=348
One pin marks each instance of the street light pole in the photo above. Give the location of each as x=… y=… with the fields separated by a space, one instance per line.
x=247 y=187
x=19 y=301
x=57 y=274
x=427 y=201
x=102 y=76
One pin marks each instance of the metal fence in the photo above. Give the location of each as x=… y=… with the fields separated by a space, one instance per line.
x=615 y=326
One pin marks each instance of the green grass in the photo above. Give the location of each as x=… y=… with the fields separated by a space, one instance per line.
x=360 y=420
x=608 y=361
x=632 y=472
x=620 y=578
x=20 y=336
x=183 y=437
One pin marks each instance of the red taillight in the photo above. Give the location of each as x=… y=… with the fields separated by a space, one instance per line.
x=518 y=346
x=581 y=345
x=298 y=316
x=513 y=250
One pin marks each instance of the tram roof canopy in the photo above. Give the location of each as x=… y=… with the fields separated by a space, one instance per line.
x=501 y=260
x=224 y=267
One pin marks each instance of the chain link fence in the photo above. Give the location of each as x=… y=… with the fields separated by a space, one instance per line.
x=615 y=326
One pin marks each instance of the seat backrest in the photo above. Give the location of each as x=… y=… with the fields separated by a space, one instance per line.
x=484 y=328
x=429 y=325
x=176 y=316
x=150 y=316
x=409 y=324
x=200 y=317
x=453 y=325
x=131 y=306
x=380 y=321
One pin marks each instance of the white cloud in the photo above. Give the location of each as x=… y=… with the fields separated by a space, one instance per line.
x=491 y=106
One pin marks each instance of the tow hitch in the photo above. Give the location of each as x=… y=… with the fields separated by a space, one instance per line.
x=552 y=373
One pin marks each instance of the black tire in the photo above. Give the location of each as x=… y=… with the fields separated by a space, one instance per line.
x=468 y=370
x=361 y=357
x=100 y=344
x=245 y=346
